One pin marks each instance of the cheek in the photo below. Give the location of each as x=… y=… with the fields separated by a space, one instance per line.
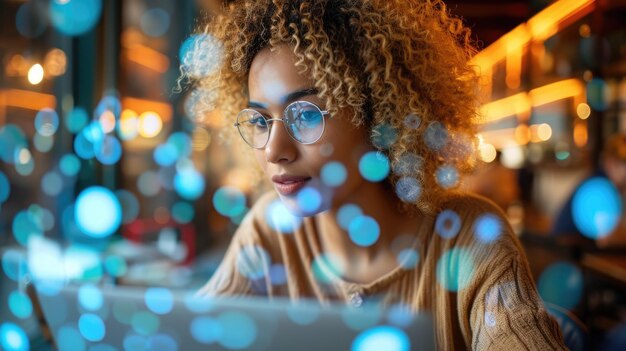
x=260 y=159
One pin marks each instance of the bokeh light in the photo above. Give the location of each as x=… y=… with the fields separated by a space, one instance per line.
x=198 y=304
x=309 y=200
x=400 y=314
x=109 y=103
x=76 y=120
x=150 y=124
x=206 y=330
x=55 y=62
x=124 y=310
x=159 y=300
x=561 y=284
x=25 y=226
x=13 y=337
x=145 y=323
x=408 y=164
x=183 y=212
x=303 y=313
x=346 y=214
x=412 y=121
x=488 y=227
x=75 y=17
x=134 y=342
x=361 y=319
x=42 y=143
x=597 y=94
x=596 y=207
x=90 y=297
x=253 y=261
x=165 y=155
x=327 y=268
x=20 y=304
x=408 y=189
x=544 y=132
x=278 y=275
x=364 y=231
x=334 y=174
x=31 y=19
x=381 y=338
x=35 y=74
x=436 y=136
x=128 y=126
x=52 y=183
x=229 y=201
x=130 y=205
x=68 y=338
x=98 y=212
x=91 y=327
x=189 y=184
x=447 y=176
x=155 y=22
x=47 y=122
x=24 y=164
x=374 y=166
x=148 y=183
x=280 y=219
x=109 y=151
x=408 y=258
x=455 y=269
x=162 y=342
x=488 y=152
x=239 y=331
x=12 y=142
x=107 y=121
x=14 y=264
x=115 y=266
x=384 y=135
x=200 y=55
x=583 y=110
x=5 y=188
x=83 y=147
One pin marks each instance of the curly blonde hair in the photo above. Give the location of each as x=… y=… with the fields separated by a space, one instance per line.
x=400 y=64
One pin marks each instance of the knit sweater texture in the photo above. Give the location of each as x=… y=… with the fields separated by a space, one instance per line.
x=465 y=267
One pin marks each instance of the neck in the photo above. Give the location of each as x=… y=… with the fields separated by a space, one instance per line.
x=376 y=201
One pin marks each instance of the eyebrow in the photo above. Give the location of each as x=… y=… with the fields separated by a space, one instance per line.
x=287 y=98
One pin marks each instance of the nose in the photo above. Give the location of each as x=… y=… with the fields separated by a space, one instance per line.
x=280 y=147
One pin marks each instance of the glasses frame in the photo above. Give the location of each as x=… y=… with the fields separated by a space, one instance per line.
x=282 y=119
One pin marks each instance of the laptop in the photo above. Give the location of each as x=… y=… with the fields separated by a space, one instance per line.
x=108 y=318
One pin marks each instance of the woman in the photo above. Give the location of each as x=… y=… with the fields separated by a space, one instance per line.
x=362 y=114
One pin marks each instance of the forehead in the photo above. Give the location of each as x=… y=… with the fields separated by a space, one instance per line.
x=273 y=74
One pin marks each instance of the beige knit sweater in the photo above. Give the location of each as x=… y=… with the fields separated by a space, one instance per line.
x=480 y=292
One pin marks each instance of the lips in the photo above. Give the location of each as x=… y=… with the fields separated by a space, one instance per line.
x=289 y=185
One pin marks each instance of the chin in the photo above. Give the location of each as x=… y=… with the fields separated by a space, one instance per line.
x=313 y=199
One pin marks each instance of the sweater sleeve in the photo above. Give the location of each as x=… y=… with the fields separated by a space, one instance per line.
x=507 y=312
x=504 y=308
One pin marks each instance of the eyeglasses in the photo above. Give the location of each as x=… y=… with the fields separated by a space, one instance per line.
x=304 y=121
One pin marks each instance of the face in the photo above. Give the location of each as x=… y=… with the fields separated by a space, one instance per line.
x=295 y=169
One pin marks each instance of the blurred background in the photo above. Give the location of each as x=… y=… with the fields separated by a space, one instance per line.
x=112 y=173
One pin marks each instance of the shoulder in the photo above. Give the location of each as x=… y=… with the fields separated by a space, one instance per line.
x=468 y=205
x=481 y=226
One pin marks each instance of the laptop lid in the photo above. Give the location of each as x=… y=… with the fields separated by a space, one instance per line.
x=95 y=318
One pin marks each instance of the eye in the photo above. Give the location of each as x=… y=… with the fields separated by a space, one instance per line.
x=258 y=122
x=309 y=118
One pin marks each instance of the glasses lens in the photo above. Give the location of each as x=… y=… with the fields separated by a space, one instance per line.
x=253 y=128
x=304 y=121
